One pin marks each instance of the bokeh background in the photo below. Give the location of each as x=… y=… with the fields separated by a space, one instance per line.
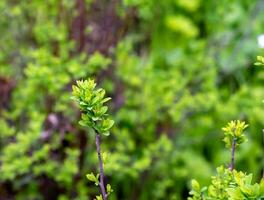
x=177 y=71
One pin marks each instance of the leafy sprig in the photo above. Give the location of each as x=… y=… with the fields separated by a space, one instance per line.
x=91 y=102
x=234 y=131
x=229 y=183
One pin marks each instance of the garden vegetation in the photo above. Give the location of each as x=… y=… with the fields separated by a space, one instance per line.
x=177 y=71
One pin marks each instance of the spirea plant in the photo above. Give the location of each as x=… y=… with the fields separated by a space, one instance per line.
x=234 y=137
x=230 y=184
x=91 y=102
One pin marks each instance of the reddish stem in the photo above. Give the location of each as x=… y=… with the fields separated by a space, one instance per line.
x=232 y=164
x=101 y=181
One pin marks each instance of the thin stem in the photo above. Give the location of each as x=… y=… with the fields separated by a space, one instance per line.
x=101 y=181
x=263 y=147
x=232 y=164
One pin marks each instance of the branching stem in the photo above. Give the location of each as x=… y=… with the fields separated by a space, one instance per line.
x=101 y=181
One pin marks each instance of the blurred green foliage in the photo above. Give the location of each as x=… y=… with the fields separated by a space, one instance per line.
x=181 y=70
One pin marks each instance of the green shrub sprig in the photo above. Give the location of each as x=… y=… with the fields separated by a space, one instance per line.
x=91 y=103
x=230 y=184
x=233 y=137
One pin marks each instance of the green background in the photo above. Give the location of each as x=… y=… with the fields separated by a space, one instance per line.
x=177 y=71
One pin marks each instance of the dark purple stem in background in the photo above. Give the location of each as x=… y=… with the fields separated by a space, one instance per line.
x=101 y=181
x=232 y=164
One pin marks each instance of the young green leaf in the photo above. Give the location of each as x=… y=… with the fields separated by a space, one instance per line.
x=109 y=189
x=93 y=178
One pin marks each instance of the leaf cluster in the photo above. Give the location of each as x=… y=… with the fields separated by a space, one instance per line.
x=228 y=185
x=91 y=103
x=95 y=179
x=234 y=131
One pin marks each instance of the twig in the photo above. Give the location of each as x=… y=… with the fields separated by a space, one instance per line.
x=101 y=182
x=232 y=164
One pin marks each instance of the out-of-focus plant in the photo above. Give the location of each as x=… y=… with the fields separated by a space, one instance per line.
x=260 y=61
x=94 y=115
x=233 y=137
x=229 y=183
